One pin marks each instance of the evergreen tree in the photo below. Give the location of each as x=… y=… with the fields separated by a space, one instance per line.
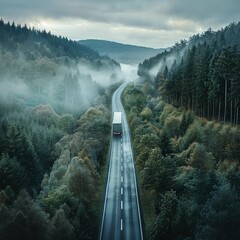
x=12 y=173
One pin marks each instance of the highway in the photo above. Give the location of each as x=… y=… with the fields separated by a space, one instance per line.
x=121 y=215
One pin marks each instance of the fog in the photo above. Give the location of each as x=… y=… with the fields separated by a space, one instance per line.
x=68 y=88
x=103 y=77
x=129 y=72
x=167 y=61
x=68 y=85
x=13 y=88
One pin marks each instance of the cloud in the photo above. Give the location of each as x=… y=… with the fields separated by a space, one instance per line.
x=16 y=87
x=206 y=12
x=173 y=18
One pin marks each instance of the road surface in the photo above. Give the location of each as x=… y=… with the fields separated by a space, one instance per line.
x=121 y=215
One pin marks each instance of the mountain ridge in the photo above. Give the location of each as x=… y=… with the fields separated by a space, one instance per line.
x=124 y=53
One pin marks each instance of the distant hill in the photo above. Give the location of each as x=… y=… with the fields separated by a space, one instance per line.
x=123 y=53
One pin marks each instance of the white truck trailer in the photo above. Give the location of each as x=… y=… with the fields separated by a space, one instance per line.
x=117 y=123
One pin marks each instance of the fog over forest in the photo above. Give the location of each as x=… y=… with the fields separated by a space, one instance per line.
x=45 y=81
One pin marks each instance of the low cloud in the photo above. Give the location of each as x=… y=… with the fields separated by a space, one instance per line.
x=16 y=88
x=129 y=71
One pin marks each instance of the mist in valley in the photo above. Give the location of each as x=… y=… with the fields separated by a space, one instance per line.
x=129 y=71
x=71 y=87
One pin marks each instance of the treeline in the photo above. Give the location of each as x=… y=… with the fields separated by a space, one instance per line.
x=201 y=74
x=35 y=43
x=188 y=169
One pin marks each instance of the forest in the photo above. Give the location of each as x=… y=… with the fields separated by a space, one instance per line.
x=184 y=118
x=188 y=169
x=55 y=96
x=201 y=74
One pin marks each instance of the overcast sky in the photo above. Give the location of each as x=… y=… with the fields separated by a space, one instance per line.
x=153 y=23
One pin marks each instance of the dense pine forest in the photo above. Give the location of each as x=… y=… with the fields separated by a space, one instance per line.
x=201 y=74
x=55 y=97
x=183 y=114
x=188 y=169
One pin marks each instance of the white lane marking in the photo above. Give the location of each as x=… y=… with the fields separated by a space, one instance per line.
x=121 y=204
x=121 y=224
x=121 y=191
x=121 y=160
x=121 y=178
x=121 y=168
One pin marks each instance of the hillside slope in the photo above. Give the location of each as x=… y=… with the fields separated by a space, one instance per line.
x=201 y=74
x=123 y=53
x=188 y=169
x=38 y=67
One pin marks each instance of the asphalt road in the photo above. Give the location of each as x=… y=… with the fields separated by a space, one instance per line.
x=121 y=215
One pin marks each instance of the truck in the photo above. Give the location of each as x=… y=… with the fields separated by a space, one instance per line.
x=117 y=123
